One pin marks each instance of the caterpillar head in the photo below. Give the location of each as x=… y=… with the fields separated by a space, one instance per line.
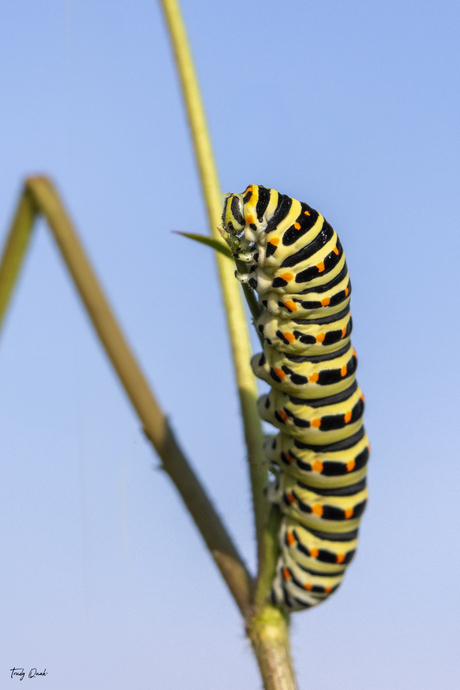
x=233 y=215
x=241 y=226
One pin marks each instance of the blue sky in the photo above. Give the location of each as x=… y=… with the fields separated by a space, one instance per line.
x=352 y=107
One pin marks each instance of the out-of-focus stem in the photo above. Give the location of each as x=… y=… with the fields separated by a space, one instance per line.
x=40 y=196
x=15 y=250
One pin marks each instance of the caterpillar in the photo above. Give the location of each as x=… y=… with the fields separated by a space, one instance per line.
x=319 y=457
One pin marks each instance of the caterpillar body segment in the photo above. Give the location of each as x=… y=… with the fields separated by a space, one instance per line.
x=309 y=337
x=315 y=421
x=309 y=304
x=339 y=464
x=322 y=510
x=297 y=266
x=313 y=554
x=309 y=377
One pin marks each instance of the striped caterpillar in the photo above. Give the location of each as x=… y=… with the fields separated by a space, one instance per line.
x=319 y=457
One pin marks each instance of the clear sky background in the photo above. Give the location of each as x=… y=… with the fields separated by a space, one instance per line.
x=351 y=106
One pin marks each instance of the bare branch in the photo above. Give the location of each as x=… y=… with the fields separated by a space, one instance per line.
x=269 y=635
x=40 y=196
x=15 y=249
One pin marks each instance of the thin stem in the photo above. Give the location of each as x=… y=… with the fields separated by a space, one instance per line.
x=269 y=635
x=236 y=320
x=253 y=303
x=15 y=250
x=267 y=568
x=40 y=195
x=268 y=627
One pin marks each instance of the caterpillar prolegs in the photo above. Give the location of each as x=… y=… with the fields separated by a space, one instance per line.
x=298 y=268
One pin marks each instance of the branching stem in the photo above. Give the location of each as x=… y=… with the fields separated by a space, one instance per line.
x=267 y=627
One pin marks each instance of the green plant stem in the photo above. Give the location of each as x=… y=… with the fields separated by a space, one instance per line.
x=269 y=635
x=236 y=320
x=15 y=249
x=40 y=196
x=268 y=627
x=267 y=570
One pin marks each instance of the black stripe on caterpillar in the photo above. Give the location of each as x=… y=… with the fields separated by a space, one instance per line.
x=298 y=268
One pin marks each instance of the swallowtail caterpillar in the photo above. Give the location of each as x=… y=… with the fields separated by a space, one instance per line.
x=297 y=266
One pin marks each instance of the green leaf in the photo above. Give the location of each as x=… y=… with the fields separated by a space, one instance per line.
x=209 y=241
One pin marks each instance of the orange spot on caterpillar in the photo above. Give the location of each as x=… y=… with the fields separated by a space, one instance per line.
x=351 y=464
x=308 y=586
x=288 y=456
x=343 y=371
x=320 y=337
x=290 y=337
x=336 y=251
x=297 y=226
x=286 y=574
x=340 y=557
x=316 y=422
x=290 y=497
x=314 y=552
x=344 y=331
x=280 y=374
x=249 y=219
x=290 y=538
x=290 y=305
x=275 y=241
x=326 y=301
x=348 y=513
x=248 y=189
x=354 y=353
x=307 y=213
x=317 y=465
x=346 y=292
x=320 y=266
x=317 y=509
x=362 y=397
x=283 y=415
x=287 y=277
x=327 y=590
x=313 y=377
x=347 y=416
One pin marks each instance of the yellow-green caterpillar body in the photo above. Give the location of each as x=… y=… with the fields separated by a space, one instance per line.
x=297 y=266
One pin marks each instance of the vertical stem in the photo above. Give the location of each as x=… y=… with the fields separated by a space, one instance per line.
x=269 y=635
x=236 y=320
x=271 y=551
x=268 y=627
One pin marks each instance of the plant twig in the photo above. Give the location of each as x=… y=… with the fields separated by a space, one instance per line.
x=268 y=627
x=15 y=249
x=267 y=569
x=40 y=196
x=269 y=635
x=236 y=320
